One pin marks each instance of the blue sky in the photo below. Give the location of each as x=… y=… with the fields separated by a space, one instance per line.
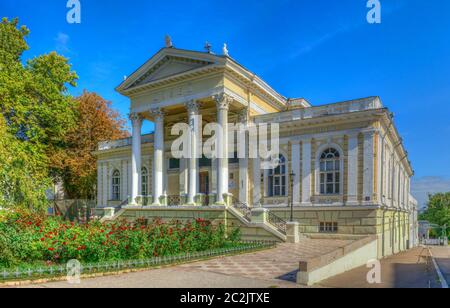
x=322 y=50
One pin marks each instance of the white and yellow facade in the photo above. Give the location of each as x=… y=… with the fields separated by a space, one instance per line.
x=367 y=191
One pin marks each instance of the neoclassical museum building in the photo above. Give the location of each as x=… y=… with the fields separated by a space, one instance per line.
x=343 y=168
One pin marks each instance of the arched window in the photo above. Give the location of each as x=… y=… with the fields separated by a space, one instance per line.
x=330 y=172
x=277 y=179
x=116 y=186
x=144 y=174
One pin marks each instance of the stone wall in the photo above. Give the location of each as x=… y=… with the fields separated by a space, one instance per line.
x=390 y=225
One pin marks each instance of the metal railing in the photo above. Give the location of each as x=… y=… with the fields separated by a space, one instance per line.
x=277 y=222
x=174 y=200
x=242 y=208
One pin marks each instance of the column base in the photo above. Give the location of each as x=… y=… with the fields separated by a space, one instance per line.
x=212 y=199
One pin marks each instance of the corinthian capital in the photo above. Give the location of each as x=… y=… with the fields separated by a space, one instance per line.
x=136 y=118
x=223 y=101
x=192 y=106
x=157 y=113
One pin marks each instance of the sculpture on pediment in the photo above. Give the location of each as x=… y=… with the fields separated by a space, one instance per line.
x=169 y=43
x=225 y=50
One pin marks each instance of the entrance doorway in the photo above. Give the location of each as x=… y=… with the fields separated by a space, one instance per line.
x=204 y=183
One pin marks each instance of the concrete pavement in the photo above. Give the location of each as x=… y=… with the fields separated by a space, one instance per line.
x=442 y=257
x=411 y=269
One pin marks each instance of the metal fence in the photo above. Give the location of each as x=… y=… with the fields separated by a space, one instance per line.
x=75 y=210
x=114 y=266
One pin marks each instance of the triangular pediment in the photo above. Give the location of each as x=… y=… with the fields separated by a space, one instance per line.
x=168 y=67
x=167 y=63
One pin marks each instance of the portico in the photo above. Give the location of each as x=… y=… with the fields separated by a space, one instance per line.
x=210 y=109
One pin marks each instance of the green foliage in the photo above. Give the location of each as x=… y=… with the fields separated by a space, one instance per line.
x=438 y=210
x=23 y=178
x=35 y=114
x=12 y=42
x=29 y=238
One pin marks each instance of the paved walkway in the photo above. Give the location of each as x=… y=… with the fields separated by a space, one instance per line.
x=276 y=267
x=405 y=270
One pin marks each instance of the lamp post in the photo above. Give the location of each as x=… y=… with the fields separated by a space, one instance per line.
x=291 y=179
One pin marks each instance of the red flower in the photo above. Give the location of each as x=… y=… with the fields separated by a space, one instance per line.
x=51 y=249
x=42 y=239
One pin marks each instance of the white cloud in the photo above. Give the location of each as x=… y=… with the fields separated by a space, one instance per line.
x=421 y=187
x=62 y=43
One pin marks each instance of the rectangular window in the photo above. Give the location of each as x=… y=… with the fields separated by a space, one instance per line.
x=328 y=227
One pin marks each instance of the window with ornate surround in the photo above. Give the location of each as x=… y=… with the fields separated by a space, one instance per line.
x=277 y=179
x=330 y=171
x=115 y=196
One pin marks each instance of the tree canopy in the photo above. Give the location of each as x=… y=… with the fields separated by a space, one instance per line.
x=438 y=209
x=45 y=133
x=96 y=122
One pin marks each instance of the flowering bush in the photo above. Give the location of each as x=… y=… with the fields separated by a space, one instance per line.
x=29 y=238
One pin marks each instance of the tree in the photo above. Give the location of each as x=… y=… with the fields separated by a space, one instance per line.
x=22 y=183
x=36 y=112
x=438 y=210
x=96 y=122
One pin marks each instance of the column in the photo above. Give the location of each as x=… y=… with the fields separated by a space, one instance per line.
x=244 y=159
x=105 y=195
x=296 y=169
x=99 y=184
x=352 y=194
x=223 y=104
x=158 y=160
x=243 y=180
x=256 y=182
x=136 y=120
x=184 y=176
x=306 y=174
x=124 y=182
x=192 y=107
x=368 y=168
